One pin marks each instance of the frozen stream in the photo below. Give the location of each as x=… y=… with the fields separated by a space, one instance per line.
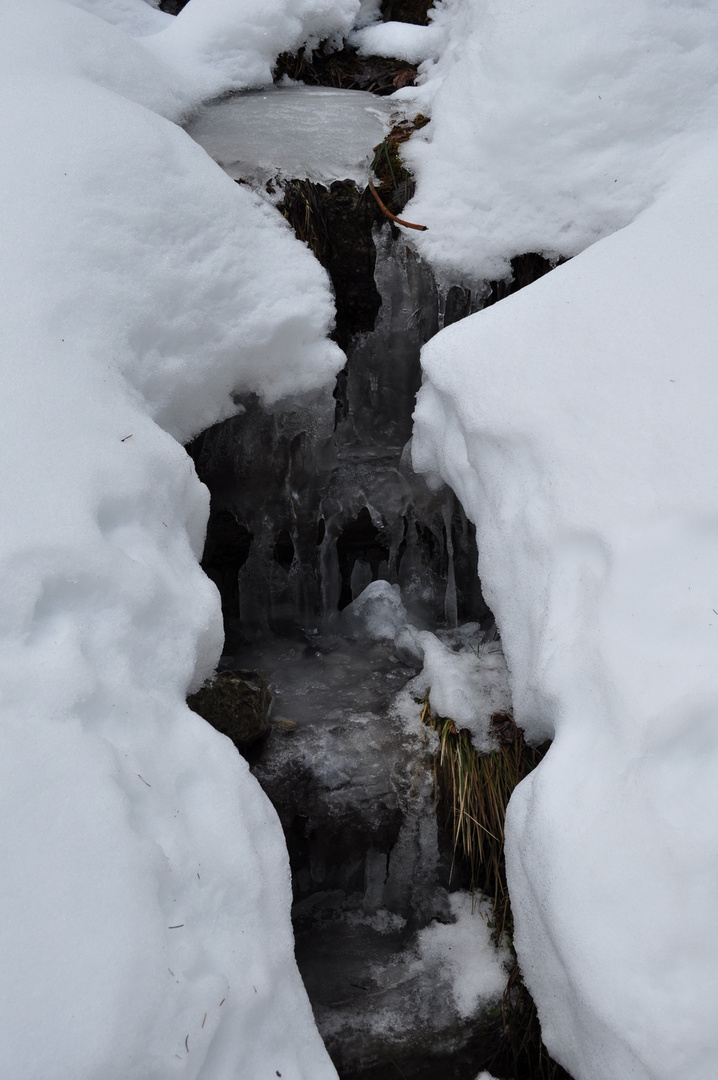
x=309 y=507
x=313 y=133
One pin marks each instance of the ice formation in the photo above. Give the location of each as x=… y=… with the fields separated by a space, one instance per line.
x=315 y=133
x=145 y=888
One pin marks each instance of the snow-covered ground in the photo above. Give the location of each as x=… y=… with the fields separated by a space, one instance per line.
x=145 y=889
x=578 y=423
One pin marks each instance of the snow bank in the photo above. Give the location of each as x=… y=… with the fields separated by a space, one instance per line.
x=136 y=17
x=145 y=888
x=221 y=45
x=552 y=124
x=577 y=422
x=401 y=40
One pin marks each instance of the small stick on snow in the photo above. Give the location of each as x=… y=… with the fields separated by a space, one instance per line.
x=126 y=438
x=186 y=1043
x=179 y=924
x=143 y=780
x=203 y=1019
x=392 y=217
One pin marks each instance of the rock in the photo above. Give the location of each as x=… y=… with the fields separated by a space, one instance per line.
x=237 y=704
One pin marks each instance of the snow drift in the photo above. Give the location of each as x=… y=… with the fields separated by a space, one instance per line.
x=577 y=423
x=145 y=887
x=552 y=124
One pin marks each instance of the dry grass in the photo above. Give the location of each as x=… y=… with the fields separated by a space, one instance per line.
x=473 y=790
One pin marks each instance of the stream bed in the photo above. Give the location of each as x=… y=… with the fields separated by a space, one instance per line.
x=314 y=507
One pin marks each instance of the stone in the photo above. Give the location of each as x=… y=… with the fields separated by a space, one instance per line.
x=237 y=704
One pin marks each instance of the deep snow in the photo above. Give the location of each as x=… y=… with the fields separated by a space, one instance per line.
x=576 y=420
x=145 y=888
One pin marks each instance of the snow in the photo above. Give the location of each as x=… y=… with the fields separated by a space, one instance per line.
x=576 y=420
x=463 y=951
x=135 y=17
x=274 y=134
x=465 y=680
x=552 y=124
x=145 y=890
x=378 y=612
x=222 y=45
x=468 y=685
x=404 y=41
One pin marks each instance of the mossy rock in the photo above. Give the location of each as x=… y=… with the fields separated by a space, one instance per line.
x=237 y=704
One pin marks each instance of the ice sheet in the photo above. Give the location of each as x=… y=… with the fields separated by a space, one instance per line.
x=294 y=132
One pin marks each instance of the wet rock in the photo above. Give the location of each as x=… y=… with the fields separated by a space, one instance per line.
x=237 y=704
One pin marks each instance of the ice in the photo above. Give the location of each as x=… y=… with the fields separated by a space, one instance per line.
x=576 y=421
x=315 y=133
x=395 y=966
x=145 y=890
x=311 y=504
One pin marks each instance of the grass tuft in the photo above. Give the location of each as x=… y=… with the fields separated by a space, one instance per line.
x=473 y=790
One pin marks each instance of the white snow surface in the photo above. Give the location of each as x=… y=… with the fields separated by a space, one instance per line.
x=404 y=41
x=135 y=17
x=463 y=951
x=467 y=685
x=221 y=45
x=577 y=421
x=145 y=890
x=553 y=124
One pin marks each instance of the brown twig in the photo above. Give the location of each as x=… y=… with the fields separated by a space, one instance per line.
x=392 y=217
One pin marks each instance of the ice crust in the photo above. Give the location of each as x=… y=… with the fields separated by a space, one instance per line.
x=145 y=890
x=577 y=423
x=275 y=134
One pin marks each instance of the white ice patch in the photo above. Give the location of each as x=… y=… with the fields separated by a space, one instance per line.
x=378 y=612
x=312 y=133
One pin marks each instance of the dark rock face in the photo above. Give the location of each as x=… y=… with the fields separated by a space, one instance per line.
x=172 y=7
x=346 y=70
x=237 y=704
x=410 y=11
x=337 y=223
